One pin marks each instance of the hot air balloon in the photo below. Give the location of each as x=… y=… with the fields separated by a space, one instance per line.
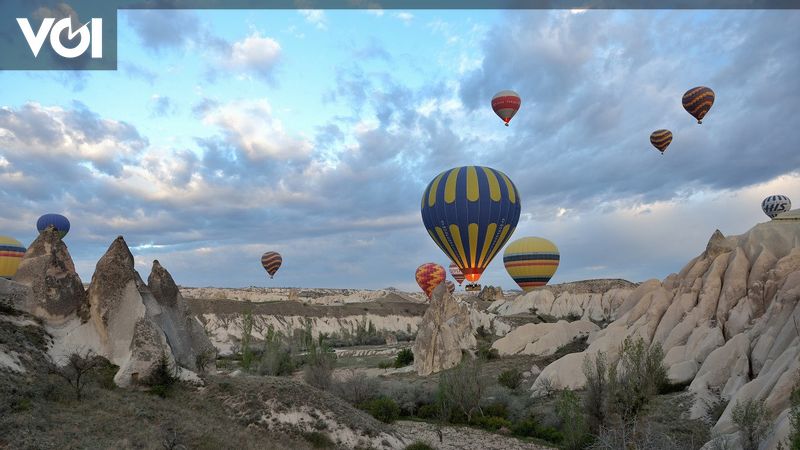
x=11 y=253
x=775 y=204
x=661 y=139
x=697 y=101
x=451 y=287
x=430 y=275
x=271 y=262
x=456 y=273
x=470 y=212
x=505 y=104
x=59 y=222
x=531 y=261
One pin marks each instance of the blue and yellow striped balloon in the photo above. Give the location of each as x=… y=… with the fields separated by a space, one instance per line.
x=11 y=253
x=471 y=212
x=531 y=261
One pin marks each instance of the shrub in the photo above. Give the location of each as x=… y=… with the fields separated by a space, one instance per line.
x=714 y=409
x=419 y=446
x=383 y=408
x=491 y=423
x=428 y=411
x=510 y=378
x=356 y=388
x=319 y=440
x=162 y=378
x=387 y=364
x=641 y=377
x=794 y=416
x=246 y=351
x=76 y=369
x=404 y=357
x=319 y=366
x=596 y=394
x=751 y=419
x=486 y=352
x=409 y=396
x=496 y=409
x=530 y=427
x=203 y=359
x=461 y=390
x=573 y=425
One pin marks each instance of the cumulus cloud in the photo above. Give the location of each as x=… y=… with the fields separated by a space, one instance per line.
x=255 y=55
x=315 y=17
x=162 y=29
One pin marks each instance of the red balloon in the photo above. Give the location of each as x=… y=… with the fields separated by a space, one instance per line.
x=505 y=104
x=430 y=275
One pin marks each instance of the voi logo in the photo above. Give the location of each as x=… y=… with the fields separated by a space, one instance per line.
x=93 y=38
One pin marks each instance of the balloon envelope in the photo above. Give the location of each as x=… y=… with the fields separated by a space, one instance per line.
x=776 y=204
x=697 y=101
x=661 y=139
x=430 y=275
x=59 y=222
x=470 y=212
x=505 y=104
x=531 y=261
x=456 y=273
x=11 y=253
x=271 y=262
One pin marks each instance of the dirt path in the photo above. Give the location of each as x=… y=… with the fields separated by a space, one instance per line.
x=462 y=438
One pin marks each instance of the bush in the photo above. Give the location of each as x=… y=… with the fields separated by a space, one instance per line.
x=751 y=419
x=461 y=390
x=277 y=358
x=319 y=440
x=404 y=358
x=428 y=411
x=496 y=409
x=530 y=427
x=641 y=377
x=491 y=423
x=77 y=369
x=486 y=352
x=596 y=394
x=356 y=388
x=162 y=378
x=409 y=396
x=794 y=416
x=383 y=408
x=573 y=425
x=388 y=364
x=419 y=446
x=319 y=366
x=510 y=378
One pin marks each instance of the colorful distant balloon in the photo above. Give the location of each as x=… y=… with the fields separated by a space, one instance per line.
x=11 y=253
x=430 y=275
x=59 y=222
x=271 y=262
x=456 y=273
x=451 y=287
x=661 y=139
x=697 y=101
x=471 y=212
x=505 y=104
x=531 y=261
x=776 y=204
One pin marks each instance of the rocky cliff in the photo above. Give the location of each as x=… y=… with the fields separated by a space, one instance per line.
x=445 y=331
x=727 y=323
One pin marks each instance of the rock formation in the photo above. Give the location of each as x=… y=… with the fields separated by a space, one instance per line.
x=542 y=339
x=56 y=289
x=444 y=332
x=728 y=323
x=491 y=293
x=185 y=334
x=595 y=300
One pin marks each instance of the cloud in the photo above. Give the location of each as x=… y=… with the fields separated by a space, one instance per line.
x=164 y=29
x=249 y=126
x=404 y=16
x=315 y=17
x=161 y=105
x=255 y=55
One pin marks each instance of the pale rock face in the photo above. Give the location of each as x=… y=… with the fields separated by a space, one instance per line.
x=56 y=289
x=729 y=323
x=311 y=296
x=444 y=332
x=594 y=300
x=184 y=333
x=542 y=339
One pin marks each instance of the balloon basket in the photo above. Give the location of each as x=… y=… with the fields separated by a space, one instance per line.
x=472 y=287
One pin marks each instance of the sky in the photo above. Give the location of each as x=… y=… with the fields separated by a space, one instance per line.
x=314 y=133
